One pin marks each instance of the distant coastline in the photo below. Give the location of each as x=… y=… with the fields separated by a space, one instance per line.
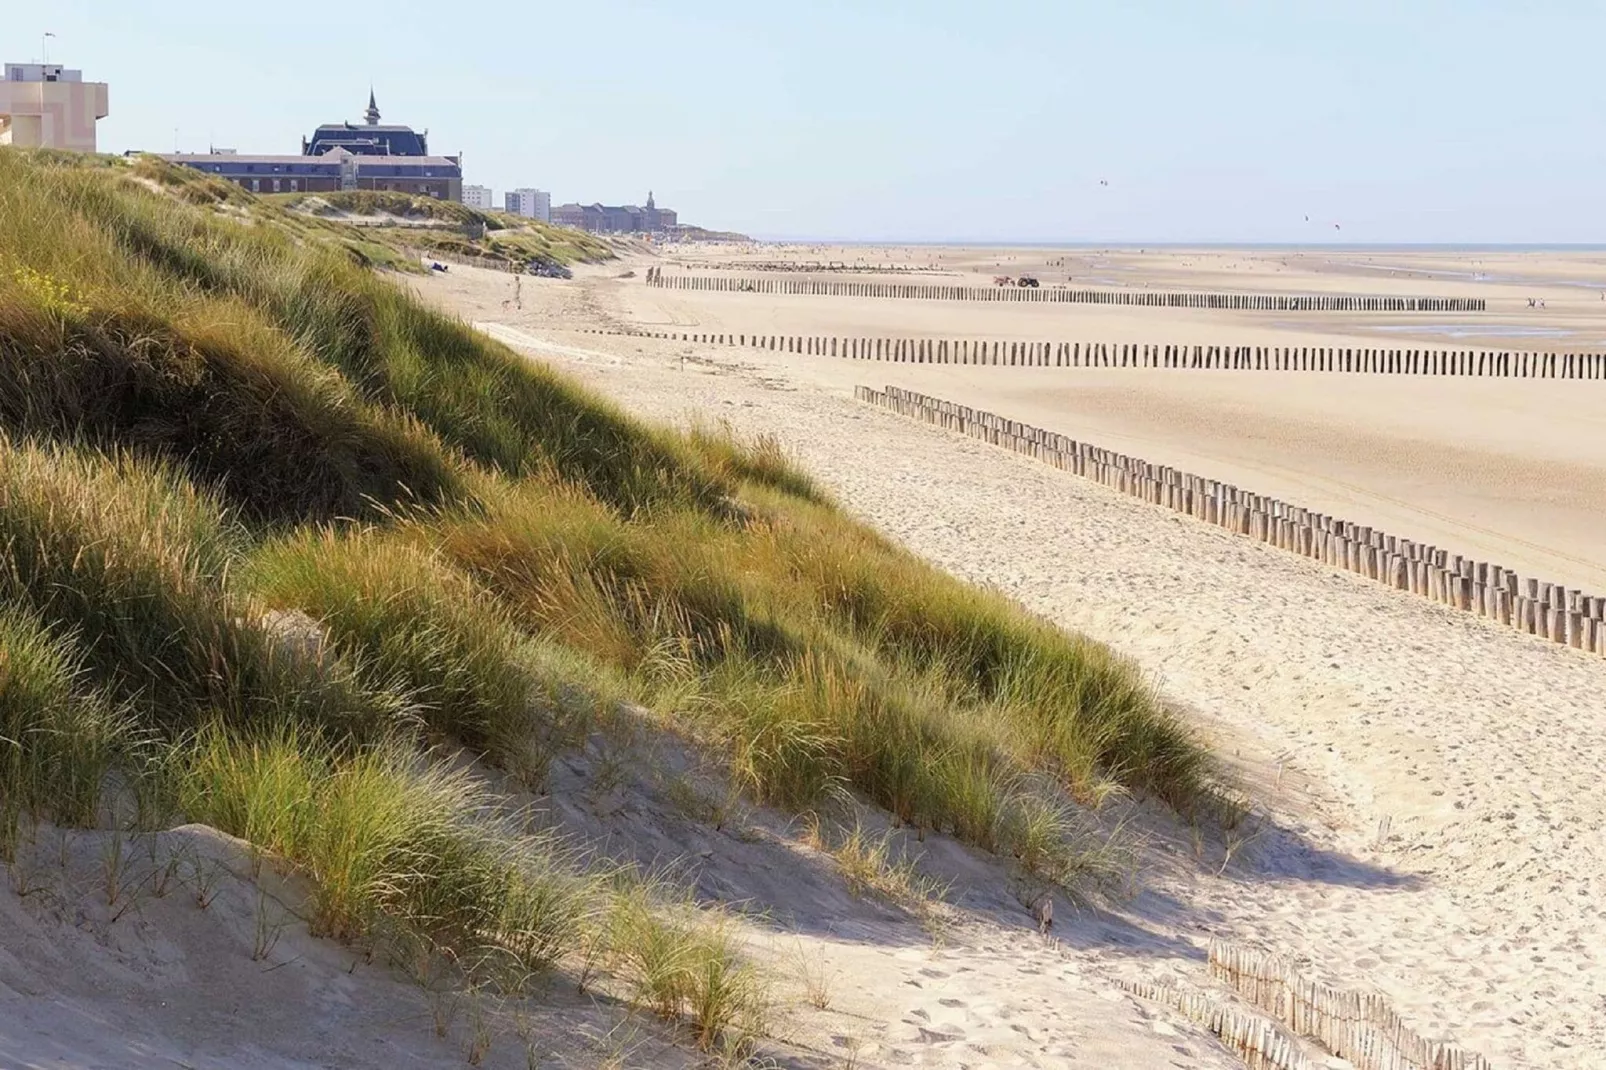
x=1324 y=247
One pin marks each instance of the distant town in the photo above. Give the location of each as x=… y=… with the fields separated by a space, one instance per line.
x=44 y=105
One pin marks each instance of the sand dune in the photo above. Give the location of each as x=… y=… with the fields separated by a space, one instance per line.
x=1430 y=780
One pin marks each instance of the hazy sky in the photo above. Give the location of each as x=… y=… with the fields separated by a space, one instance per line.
x=1412 y=120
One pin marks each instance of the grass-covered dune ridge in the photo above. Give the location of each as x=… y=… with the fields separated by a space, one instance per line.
x=279 y=535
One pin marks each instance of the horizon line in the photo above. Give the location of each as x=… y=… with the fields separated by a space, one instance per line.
x=1006 y=243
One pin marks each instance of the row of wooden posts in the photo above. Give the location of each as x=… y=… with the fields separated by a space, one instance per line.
x=1548 y=610
x=1053 y=295
x=1260 y=1043
x=1357 y=1026
x=1508 y=364
x=800 y=267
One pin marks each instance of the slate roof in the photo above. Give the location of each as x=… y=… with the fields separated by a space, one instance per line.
x=363 y=139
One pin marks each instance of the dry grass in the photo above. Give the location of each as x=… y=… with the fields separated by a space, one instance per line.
x=205 y=420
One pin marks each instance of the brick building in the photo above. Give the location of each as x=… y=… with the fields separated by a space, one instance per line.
x=343 y=156
x=616 y=219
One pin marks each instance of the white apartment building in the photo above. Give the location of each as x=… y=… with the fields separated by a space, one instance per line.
x=530 y=203
x=47 y=106
x=479 y=197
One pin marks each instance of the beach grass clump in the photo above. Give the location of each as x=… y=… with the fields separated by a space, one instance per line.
x=577 y=570
x=1071 y=704
x=59 y=736
x=762 y=461
x=420 y=625
x=874 y=864
x=683 y=963
x=383 y=834
x=133 y=560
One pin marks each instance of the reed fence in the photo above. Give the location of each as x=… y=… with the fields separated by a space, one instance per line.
x=1530 y=606
x=1053 y=295
x=1458 y=362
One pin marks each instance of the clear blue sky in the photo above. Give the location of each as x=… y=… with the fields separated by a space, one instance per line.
x=1417 y=120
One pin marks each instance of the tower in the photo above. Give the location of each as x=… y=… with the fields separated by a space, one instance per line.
x=45 y=105
x=372 y=114
x=650 y=205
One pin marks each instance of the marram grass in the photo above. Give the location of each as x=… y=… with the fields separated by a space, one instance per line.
x=287 y=537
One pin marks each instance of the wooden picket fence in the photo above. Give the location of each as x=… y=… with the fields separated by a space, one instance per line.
x=1509 y=364
x=1547 y=610
x=1358 y=1026
x=1260 y=1043
x=1055 y=295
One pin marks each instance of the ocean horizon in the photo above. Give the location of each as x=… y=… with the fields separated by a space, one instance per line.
x=1326 y=247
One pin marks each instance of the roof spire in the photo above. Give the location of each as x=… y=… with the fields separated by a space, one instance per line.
x=372 y=114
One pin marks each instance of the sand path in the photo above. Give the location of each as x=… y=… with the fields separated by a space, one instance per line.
x=1448 y=850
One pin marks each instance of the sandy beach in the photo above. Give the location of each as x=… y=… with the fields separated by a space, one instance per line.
x=1427 y=780
x=1569 y=285
x=1503 y=470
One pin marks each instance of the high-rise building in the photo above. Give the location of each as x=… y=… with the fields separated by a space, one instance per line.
x=479 y=197
x=46 y=106
x=530 y=203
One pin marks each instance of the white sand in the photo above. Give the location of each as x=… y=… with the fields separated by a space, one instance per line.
x=1477 y=914
x=1510 y=471
x=147 y=977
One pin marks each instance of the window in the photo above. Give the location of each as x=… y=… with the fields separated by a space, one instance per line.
x=256 y=185
x=276 y=185
x=292 y=185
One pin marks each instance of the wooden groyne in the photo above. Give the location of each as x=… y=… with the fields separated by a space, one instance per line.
x=1507 y=364
x=932 y=291
x=1547 y=610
